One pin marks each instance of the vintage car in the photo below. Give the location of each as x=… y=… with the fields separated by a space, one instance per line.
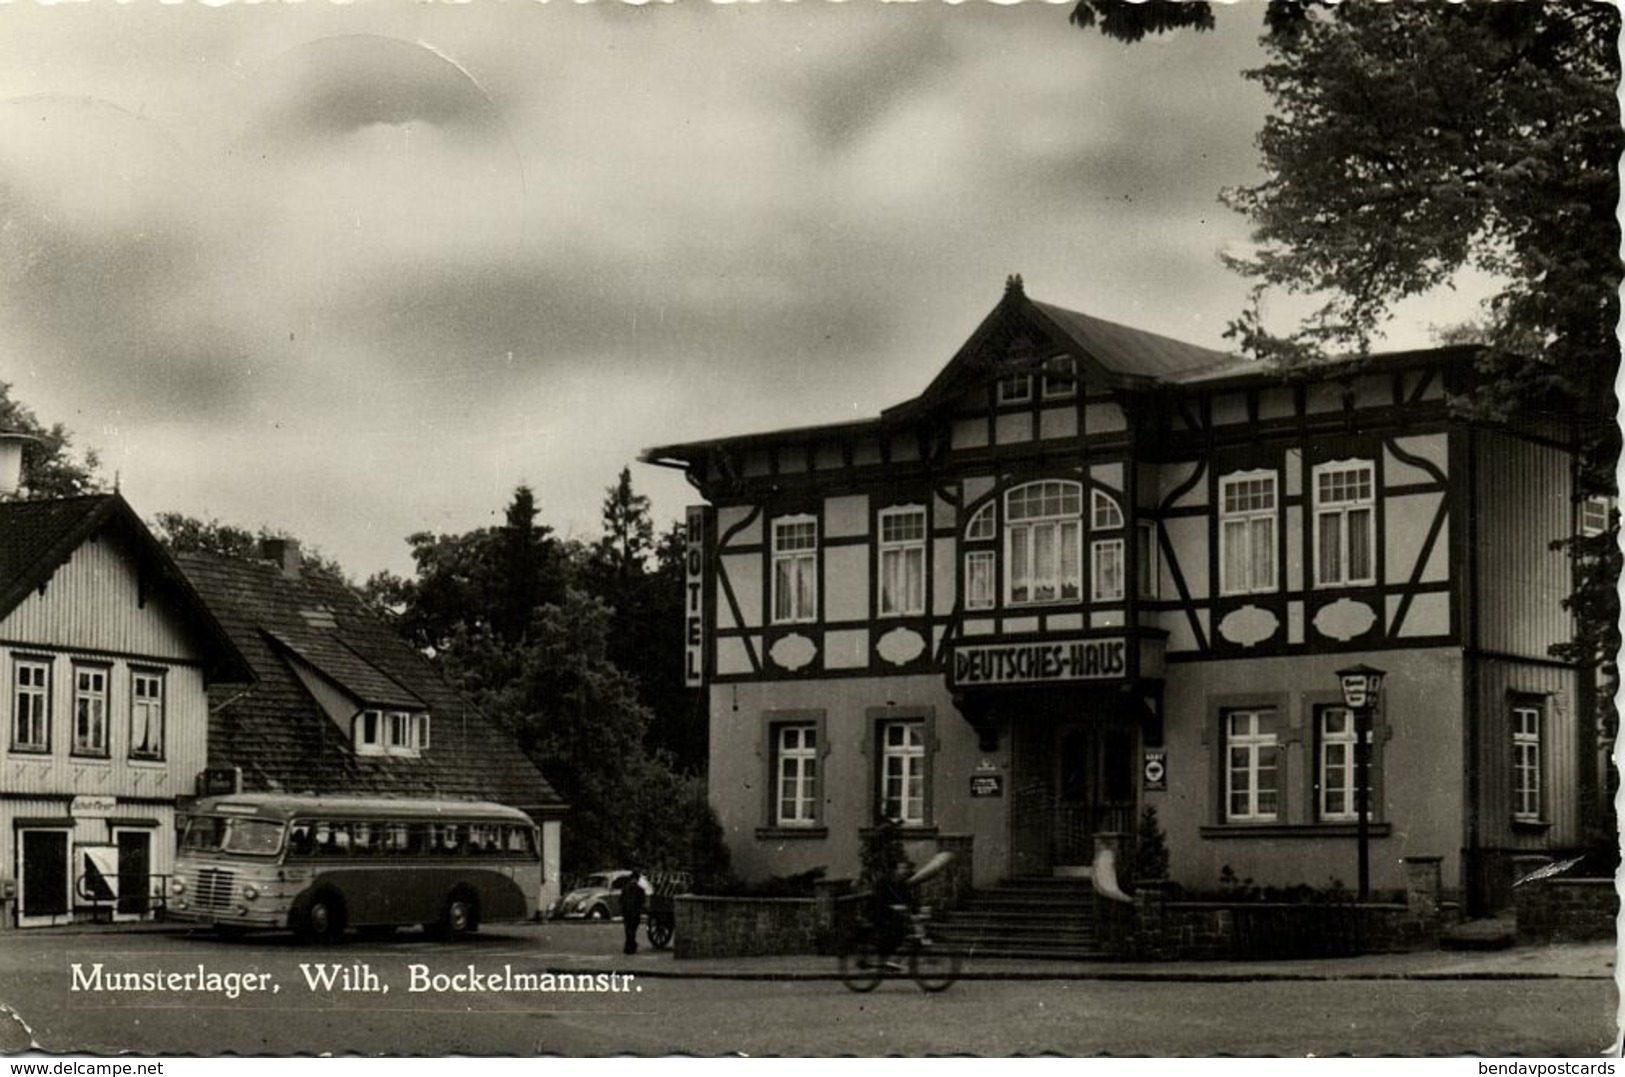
x=595 y=897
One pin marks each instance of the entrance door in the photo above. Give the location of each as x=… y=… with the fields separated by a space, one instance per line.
x=1072 y=831
x=134 y=873
x=1093 y=791
x=43 y=877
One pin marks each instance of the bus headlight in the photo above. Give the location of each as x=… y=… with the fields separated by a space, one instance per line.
x=177 y=886
x=250 y=892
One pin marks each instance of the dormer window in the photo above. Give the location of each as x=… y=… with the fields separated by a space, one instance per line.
x=1060 y=377
x=380 y=732
x=1015 y=389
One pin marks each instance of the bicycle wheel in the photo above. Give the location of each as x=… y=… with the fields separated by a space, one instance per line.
x=934 y=968
x=862 y=965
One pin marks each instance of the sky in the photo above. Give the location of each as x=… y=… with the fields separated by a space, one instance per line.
x=358 y=271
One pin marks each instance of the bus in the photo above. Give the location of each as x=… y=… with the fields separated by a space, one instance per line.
x=320 y=865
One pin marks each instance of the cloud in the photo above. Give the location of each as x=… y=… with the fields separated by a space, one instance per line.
x=340 y=84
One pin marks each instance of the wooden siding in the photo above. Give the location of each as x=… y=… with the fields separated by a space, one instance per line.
x=93 y=602
x=1522 y=505
x=1499 y=684
x=59 y=771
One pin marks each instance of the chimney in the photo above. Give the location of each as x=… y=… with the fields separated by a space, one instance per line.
x=12 y=444
x=284 y=553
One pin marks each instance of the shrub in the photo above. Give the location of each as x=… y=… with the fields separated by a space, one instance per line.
x=1150 y=855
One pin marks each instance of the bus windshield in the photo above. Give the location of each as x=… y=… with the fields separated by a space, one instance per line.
x=218 y=834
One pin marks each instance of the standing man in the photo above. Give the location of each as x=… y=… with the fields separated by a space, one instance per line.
x=632 y=899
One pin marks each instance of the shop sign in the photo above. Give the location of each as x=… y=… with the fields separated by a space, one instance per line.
x=987 y=785
x=1156 y=770
x=1039 y=663
x=694 y=598
x=89 y=806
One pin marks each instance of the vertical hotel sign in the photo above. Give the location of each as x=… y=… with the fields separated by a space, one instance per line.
x=694 y=596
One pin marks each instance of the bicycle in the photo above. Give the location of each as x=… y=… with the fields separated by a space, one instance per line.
x=865 y=960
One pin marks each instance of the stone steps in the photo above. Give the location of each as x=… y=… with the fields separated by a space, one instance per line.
x=1024 y=918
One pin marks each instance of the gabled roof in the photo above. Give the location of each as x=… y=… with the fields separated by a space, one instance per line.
x=281 y=737
x=38 y=537
x=1114 y=355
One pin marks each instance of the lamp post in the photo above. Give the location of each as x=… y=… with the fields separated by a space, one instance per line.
x=1361 y=686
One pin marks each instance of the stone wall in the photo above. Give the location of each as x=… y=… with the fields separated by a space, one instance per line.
x=1157 y=928
x=745 y=926
x=1566 y=910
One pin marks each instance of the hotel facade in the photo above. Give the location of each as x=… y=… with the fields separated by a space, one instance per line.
x=1091 y=570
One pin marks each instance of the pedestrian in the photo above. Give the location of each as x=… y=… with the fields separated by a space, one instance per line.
x=632 y=900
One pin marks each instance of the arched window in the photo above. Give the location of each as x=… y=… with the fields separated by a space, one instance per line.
x=1044 y=543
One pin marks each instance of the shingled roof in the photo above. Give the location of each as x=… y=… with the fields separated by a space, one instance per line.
x=281 y=737
x=38 y=537
x=1115 y=355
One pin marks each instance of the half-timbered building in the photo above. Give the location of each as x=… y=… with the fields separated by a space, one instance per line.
x=1092 y=569
x=106 y=657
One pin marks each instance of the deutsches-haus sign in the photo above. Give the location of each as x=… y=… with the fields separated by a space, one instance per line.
x=1049 y=661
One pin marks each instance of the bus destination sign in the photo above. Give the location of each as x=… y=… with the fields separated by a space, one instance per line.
x=1038 y=663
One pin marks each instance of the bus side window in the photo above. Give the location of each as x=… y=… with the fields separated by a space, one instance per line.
x=299 y=840
x=450 y=841
x=363 y=839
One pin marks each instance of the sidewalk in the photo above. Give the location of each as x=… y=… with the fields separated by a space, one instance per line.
x=594 y=948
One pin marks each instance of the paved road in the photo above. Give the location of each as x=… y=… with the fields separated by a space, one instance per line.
x=638 y=1010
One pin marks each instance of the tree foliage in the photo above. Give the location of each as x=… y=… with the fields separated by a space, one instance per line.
x=1128 y=20
x=50 y=468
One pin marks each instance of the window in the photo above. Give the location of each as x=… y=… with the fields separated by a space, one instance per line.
x=902 y=561
x=31 y=706
x=1060 y=377
x=1015 y=389
x=902 y=772
x=379 y=732
x=1247 y=506
x=1251 y=773
x=1148 y=565
x=1107 y=571
x=1526 y=763
x=796 y=783
x=795 y=570
x=981 y=525
x=89 y=710
x=1337 y=800
x=979 y=580
x=1595 y=513
x=1043 y=542
x=146 y=715
x=1104 y=512
x=1345 y=523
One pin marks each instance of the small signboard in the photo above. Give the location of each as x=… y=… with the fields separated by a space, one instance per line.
x=987 y=785
x=92 y=806
x=1155 y=771
x=219 y=781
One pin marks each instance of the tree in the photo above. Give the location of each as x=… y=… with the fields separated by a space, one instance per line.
x=628 y=530
x=489 y=579
x=49 y=466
